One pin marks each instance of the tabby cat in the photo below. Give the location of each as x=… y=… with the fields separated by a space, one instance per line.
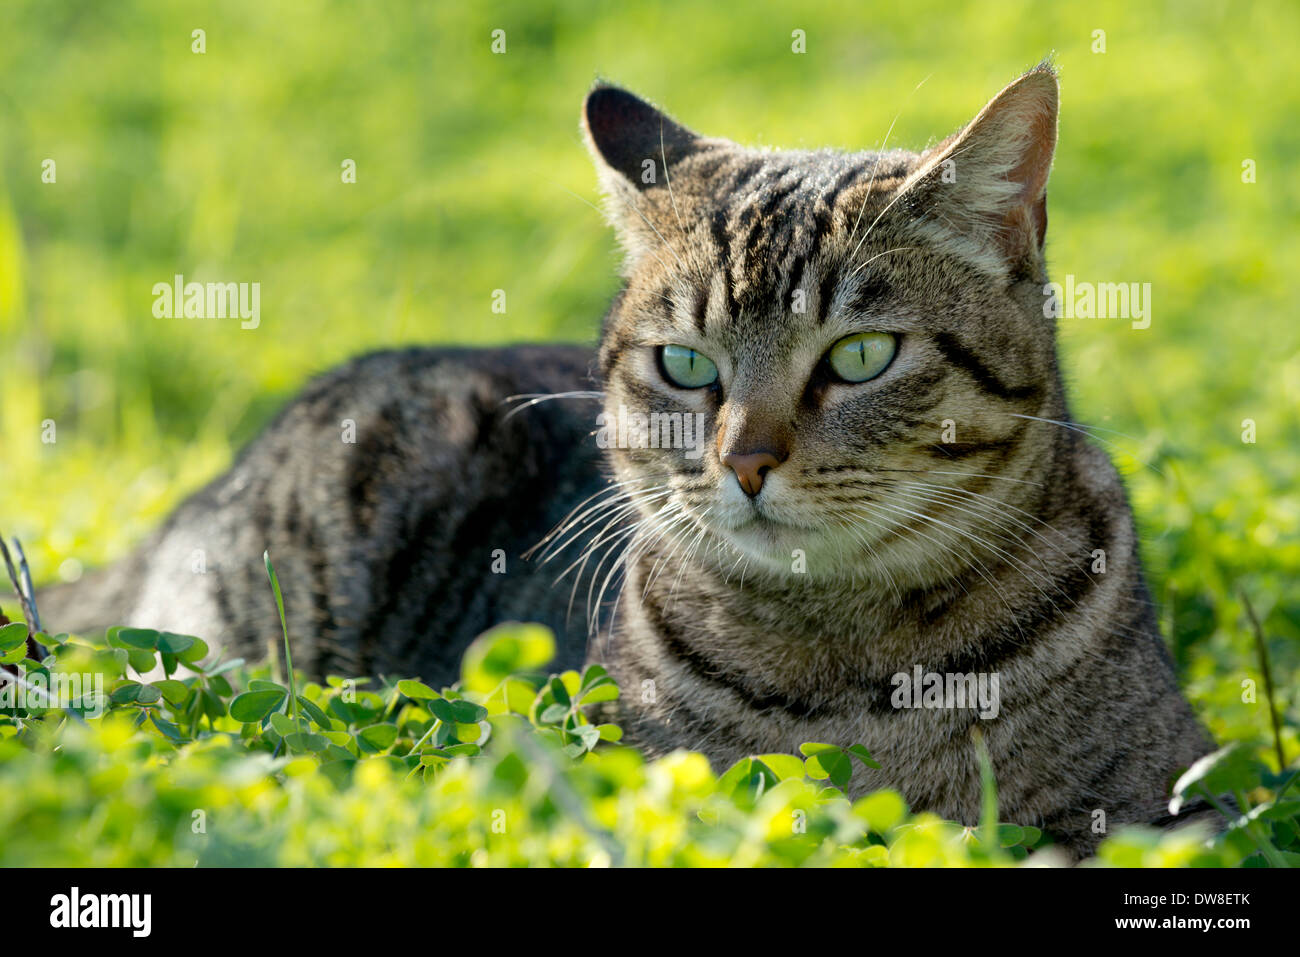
x=884 y=489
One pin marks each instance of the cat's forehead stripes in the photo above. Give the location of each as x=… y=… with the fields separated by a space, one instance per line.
x=768 y=232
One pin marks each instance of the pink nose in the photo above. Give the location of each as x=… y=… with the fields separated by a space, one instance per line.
x=750 y=467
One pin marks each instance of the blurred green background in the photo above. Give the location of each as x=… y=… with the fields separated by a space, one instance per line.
x=226 y=166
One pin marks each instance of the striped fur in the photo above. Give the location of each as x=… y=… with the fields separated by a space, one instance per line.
x=973 y=555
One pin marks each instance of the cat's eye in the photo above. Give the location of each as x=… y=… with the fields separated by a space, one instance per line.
x=687 y=368
x=863 y=356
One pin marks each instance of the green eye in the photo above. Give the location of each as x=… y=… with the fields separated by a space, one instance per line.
x=687 y=368
x=863 y=356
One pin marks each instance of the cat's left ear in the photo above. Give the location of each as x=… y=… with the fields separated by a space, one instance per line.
x=988 y=182
x=638 y=152
x=631 y=141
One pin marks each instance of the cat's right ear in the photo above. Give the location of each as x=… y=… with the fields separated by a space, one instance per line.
x=987 y=184
x=631 y=141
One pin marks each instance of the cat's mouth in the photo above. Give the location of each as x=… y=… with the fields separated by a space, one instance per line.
x=777 y=537
x=765 y=536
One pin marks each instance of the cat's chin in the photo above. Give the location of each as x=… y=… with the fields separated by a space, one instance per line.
x=764 y=536
x=786 y=551
x=780 y=547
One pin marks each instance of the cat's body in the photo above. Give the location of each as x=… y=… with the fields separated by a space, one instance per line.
x=926 y=506
x=396 y=495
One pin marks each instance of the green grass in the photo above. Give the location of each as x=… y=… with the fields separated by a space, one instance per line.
x=226 y=165
x=502 y=769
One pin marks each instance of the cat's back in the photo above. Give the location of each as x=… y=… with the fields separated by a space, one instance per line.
x=396 y=494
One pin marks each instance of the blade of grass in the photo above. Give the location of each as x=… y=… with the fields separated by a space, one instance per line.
x=284 y=628
x=1295 y=775
x=1266 y=848
x=1265 y=666
x=989 y=794
x=27 y=584
x=26 y=597
x=28 y=611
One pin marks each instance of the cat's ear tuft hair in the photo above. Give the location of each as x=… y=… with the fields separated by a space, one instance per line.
x=989 y=181
x=632 y=143
x=630 y=138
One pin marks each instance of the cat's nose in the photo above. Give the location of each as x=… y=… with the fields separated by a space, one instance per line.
x=750 y=467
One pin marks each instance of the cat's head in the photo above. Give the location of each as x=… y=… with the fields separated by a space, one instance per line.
x=859 y=334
